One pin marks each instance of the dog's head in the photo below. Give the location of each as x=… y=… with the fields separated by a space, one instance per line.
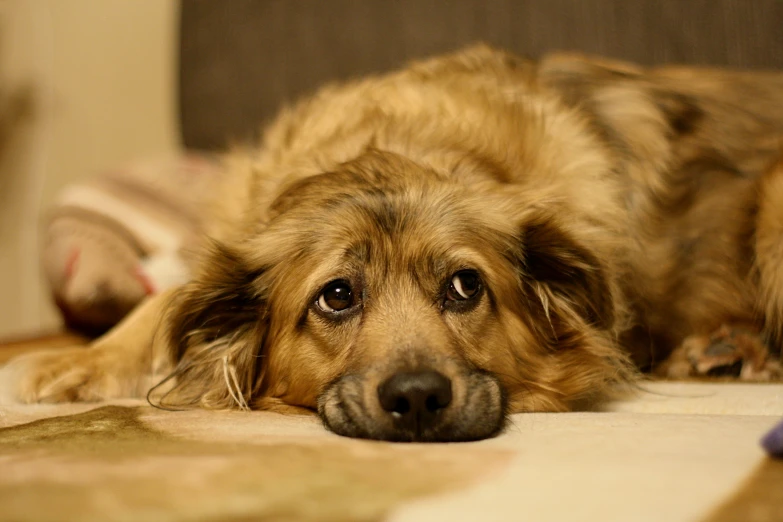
x=401 y=306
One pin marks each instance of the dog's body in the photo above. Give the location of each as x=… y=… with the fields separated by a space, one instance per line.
x=418 y=253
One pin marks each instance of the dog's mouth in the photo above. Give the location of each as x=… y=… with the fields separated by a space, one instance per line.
x=421 y=405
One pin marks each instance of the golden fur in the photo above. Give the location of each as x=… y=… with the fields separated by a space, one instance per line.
x=612 y=213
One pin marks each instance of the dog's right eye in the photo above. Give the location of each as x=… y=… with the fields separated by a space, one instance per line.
x=464 y=285
x=336 y=297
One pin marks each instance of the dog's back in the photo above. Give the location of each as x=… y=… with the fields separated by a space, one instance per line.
x=697 y=147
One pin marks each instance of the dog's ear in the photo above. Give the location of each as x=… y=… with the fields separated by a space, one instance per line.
x=216 y=330
x=564 y=277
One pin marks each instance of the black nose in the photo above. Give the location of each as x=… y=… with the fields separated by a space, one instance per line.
x=415 y=398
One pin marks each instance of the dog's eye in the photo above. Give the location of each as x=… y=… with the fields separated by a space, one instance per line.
x=465 y=285
x=337 y=296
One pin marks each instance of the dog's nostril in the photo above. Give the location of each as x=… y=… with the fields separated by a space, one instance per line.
x=402 y=406
x=433 y=403
x=415 y=397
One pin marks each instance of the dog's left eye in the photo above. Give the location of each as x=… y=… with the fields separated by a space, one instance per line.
x=336 y=297
x=464 y=285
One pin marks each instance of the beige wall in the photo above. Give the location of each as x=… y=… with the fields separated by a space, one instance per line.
x=103 y=73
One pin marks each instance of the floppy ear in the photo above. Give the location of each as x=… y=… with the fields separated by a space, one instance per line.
x=566 y=278
x=215 y=332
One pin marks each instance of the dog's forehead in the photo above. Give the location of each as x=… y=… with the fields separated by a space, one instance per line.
x=386 y=193
x=400 y=222
x=383 y=215
x=399 y=237
x=339 y=208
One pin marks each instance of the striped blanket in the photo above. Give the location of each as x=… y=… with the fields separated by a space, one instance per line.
x=125 y=234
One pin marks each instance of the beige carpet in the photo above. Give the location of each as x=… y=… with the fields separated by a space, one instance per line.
x=685 y=451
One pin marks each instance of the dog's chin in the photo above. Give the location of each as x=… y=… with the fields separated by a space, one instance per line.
x=479 y=414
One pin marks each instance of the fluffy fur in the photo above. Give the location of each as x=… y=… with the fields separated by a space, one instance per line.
x=611 y=212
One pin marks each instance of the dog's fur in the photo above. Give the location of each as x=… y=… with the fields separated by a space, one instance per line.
x=612 y=213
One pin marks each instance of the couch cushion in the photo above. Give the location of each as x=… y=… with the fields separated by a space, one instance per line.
x=241 y=60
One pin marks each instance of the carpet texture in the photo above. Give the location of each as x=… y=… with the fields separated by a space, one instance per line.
x=134 y=463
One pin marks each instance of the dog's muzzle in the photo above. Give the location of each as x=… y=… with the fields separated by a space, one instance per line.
x=419 y=405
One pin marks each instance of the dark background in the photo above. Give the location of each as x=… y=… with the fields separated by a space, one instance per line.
x=241 y=59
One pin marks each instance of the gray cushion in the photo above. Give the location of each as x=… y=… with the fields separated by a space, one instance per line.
x=241 y=59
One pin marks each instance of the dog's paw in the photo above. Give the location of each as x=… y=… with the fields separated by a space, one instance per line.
x=63 y=375
x=730 y=351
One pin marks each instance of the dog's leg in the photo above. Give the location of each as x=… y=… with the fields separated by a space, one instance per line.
x=123 y=363
x=742 y=350
x=736 y=350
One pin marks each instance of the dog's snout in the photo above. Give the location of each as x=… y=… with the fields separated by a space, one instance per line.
x=416 y=404
x=415 y=398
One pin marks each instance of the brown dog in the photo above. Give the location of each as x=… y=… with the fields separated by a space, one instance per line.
x=416 y=254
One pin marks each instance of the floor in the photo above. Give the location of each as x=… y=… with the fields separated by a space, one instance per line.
x=675 y=452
